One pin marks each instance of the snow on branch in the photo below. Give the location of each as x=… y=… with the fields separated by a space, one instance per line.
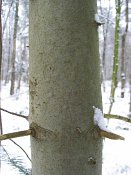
x=99 y=119
x=100 y=122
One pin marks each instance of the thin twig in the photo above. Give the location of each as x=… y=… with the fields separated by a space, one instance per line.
x=13 y=113
x=20 y=148
x=125 y=119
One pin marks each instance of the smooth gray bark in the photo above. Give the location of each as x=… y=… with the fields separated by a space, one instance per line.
x=64 y=85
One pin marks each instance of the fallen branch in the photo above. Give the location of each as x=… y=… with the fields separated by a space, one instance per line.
x=13 y=113
x=125 y=119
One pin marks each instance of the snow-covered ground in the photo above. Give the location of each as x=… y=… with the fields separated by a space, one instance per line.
x=116 y=154
x=18 y=103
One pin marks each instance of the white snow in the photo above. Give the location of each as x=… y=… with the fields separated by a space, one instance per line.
x=116 y=153
x=17 y=103
x=99 y=119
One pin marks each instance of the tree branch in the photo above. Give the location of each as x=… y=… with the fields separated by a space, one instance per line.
x=16 y=134
x=110 y=135
x=13 y=113
x=125 y=119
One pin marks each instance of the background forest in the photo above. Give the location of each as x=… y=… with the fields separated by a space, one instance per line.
x=114 y=29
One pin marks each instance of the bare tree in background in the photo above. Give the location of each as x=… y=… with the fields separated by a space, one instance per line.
x=116 y=54
x=105 y=37
x=14 y=50
x=1 y=130
x=1 y=127
x=123 y=48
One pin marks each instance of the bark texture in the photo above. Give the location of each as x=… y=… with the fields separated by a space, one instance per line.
x=64 y=85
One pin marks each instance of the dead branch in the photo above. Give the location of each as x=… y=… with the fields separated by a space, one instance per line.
x=16 y=134
x=13 y=113
x=110 y=135
x=112 y=116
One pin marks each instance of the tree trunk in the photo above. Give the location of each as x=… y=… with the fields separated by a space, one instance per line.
x=64 y=85
x=116 y=55
x=105 y=38
x=8 y=14
x=1 y=126
x=123 y=49
x=0 y=40
x=14 y=50
x=130 y=98
x=123 y=77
